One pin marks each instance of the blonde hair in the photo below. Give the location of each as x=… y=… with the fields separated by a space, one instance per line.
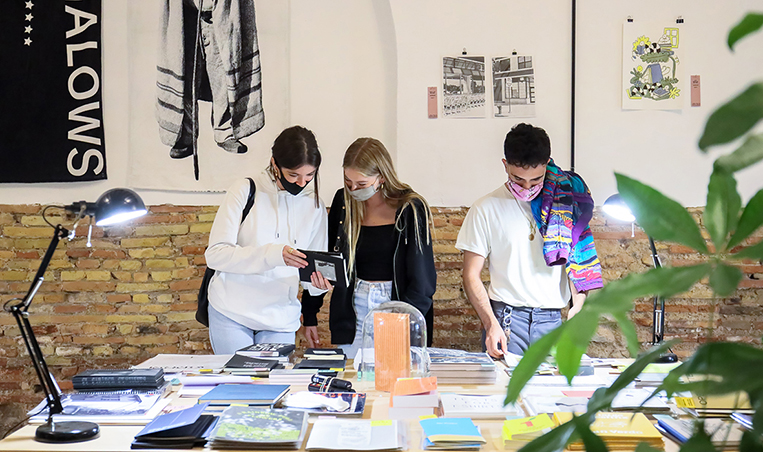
x=369 y=157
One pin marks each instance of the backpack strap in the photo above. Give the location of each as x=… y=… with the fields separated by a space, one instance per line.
x=250 y=199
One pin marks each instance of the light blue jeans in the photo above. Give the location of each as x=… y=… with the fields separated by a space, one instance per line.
x=227 y=336
x=367 y=296
x=527 y=325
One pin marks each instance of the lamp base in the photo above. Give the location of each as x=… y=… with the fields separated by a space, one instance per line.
x=667 y=358
x=66 y=432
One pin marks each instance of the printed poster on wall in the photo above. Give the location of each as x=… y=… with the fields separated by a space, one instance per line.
x=463 y=87
x=52 y=112
x=208 y=91
x=513 y=87
x=652 y=70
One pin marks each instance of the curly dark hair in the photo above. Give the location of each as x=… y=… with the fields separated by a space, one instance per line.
x=526 y=146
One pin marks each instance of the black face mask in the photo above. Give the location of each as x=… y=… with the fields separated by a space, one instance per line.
x=291 y=187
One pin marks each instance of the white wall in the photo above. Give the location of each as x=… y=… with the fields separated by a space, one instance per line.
x=361 y=68
x=659 y=147
x=454 y=161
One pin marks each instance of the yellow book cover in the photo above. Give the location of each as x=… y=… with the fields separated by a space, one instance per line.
x=617 y=425
x=526 y=428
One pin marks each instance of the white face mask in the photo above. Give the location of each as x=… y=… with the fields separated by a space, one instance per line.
x=364 y=194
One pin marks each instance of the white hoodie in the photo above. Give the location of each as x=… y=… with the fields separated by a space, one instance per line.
x=253 y=286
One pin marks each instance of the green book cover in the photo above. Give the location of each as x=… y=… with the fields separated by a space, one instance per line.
x=259 y=425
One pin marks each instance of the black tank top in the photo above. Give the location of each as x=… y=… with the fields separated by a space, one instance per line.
x=375 y=253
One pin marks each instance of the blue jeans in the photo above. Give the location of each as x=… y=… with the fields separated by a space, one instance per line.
x=526 y=325
x=228 y=336
x=367 y=296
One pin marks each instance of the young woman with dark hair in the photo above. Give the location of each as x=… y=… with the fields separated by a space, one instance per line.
x=253 y=295
x=384 y=228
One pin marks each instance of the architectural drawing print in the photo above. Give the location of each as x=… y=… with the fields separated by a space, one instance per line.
x=463 y=86
x=513 y=86
x=652 y=75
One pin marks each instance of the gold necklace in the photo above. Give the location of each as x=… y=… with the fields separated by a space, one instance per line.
x=530 y=221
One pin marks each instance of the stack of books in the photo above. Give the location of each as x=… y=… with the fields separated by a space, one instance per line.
x=516 y=433
x=324 y=353
x=721 y=405
x=723 y=434
x=619 y=431
x=477 y=406
x=245 y=428
x=461 y=367
x=336 y=364
x=297 y=376
x=412 y=398
x=270 y=351
x=222 y=396
x=246 y=365
x=449 y=434
x=113 y=379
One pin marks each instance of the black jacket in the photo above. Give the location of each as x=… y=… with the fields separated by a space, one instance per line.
x=415 y=277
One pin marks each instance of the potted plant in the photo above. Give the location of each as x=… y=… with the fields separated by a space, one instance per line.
x=721 y=367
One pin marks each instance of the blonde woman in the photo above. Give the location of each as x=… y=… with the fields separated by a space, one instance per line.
x=383 y=228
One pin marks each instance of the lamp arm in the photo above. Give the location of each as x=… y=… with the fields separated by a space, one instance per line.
x=21 y=315
x=658 y=308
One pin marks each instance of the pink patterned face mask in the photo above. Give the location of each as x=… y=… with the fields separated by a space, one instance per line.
x=524 y=194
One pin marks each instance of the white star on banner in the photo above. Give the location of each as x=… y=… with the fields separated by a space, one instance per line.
x=28 y=42
x=29 y=17
x=28 y=29
x=29 y=5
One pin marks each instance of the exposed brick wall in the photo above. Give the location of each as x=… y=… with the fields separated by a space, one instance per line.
x=133 y=294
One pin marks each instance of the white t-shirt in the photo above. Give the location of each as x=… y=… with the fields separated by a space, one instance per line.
x=496 y=228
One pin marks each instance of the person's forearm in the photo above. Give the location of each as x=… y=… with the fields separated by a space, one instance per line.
x=578 y=298
x=477 y=295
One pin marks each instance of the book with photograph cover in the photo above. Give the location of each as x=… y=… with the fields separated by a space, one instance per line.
x=331 y=265
x=252 y=428
x=354 y=403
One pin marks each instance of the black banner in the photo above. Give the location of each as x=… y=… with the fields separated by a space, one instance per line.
x=51 y=111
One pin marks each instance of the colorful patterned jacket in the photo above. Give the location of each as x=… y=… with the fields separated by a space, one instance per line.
x=562 y=212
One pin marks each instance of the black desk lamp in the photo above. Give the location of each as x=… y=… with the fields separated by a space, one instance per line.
x=114 y=206
x=616 y=207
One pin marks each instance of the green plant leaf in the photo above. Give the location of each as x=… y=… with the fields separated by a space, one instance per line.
x=734 y=119
x=569 y=350
x=629 y=331
x=644 y=447
x=591 y=442
x=754 y=252
x=750 y=221
x=530 y=361
x=602 y=397
x=661 y=217
x=749 y=24
x=732 y=366
x=724 y=279
x=751 y=442
x=748 y=154
x=723 y=206
x=553 y=441
x=699 y=442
